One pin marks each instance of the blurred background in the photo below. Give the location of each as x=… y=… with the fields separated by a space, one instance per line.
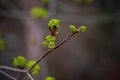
x=94 y=55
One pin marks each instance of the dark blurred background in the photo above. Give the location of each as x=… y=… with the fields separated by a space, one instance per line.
x=94 y=55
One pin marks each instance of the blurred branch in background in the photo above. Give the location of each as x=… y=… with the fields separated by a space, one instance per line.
x=52 y=8
x=9 y=4
x=16 y=14
x=7 y=75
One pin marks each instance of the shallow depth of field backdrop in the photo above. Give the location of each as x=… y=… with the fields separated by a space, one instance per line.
x=94 y=55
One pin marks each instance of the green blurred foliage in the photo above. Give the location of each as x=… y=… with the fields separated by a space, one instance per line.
x=45 y=1
x=49 y=78
x=38 y=12
x=85 y=1
x=2 y=43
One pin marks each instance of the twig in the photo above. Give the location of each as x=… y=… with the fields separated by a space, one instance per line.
x=65 y=40
x=29 y=75
x=50 y=50
x=9 y=76
x=12 y=69
x=37 y=61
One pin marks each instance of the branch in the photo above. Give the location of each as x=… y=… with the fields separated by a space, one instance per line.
x=65 y=40
x=12 y=69
x=16 y=70
x=9 y=76
x=29 y=75
x=50 y=50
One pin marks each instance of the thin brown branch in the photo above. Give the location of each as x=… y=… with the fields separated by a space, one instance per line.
x=7 y=75
x=50 y=50
x=64 y=40
x=12 y=69
x=37 y=61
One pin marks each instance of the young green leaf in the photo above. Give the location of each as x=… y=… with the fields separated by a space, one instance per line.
x=72 y=28
x=54 y=22
x=49 y=41
x=19 y=61
x=45 y=44
x=35 y=70
x=82 y=29
x=51 y=45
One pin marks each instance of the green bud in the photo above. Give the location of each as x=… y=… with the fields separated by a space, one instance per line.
x=45 y=44
x=49 y=42
x=54 y=22
x=19 y=61
x=72 y=28
x=35 y=70
x=82 y=29
x=53 y=38
x=50 y=38
x=51 y=45
x=49 y=78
